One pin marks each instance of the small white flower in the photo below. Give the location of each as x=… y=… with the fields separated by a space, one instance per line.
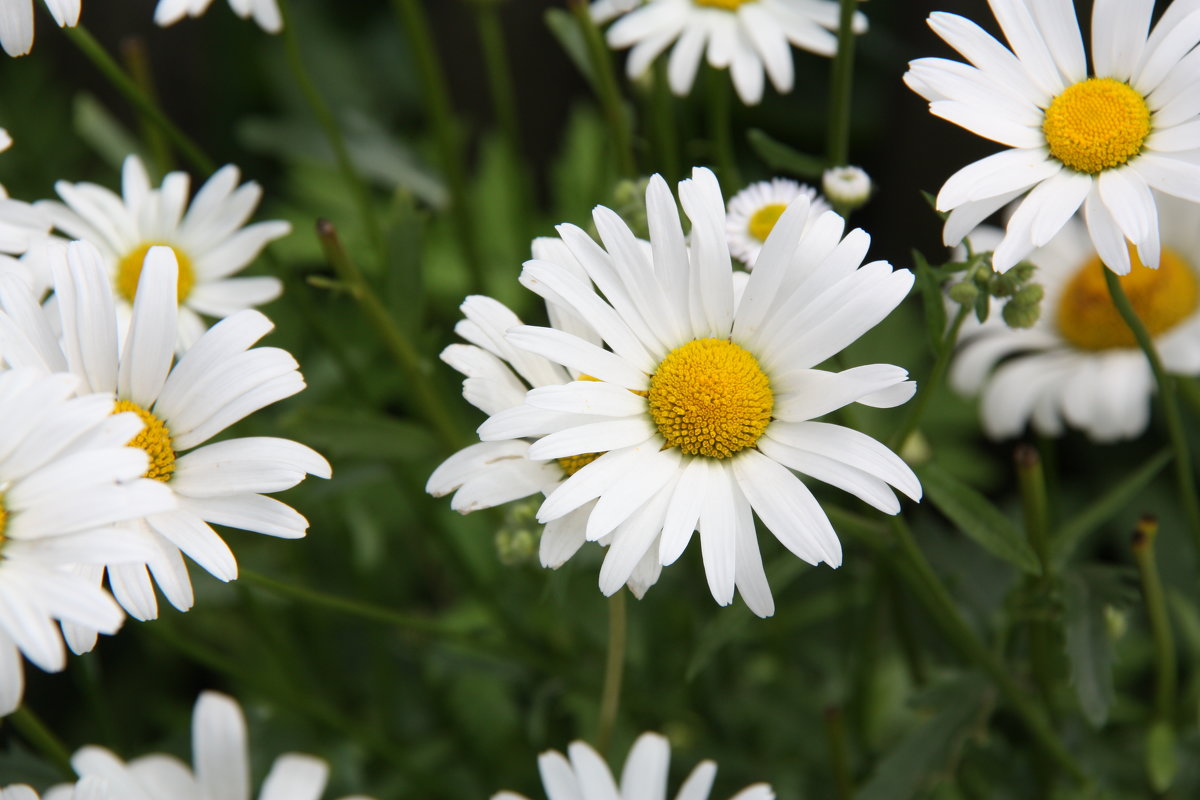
x=846 y=187
x=744 y=36
x=16 y=22
x=644 y=776
x=220 y=380
x=63 y=461
x=754 y=211
x=1101 y=140
x=702 y=405
x=1079 y=364
x=22 y=226
x=265 y=12
x=220 y=764
x=210 y=238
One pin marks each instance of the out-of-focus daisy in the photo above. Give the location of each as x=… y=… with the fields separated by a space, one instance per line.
x=604 y=10
x=21 y=225
x=744 y=36
x=1101 y=140
x=265 y=12
x=703 y=407
x=583 y=773
x=16 y=22
x=754 y=211
x=220 y=764
x=86 y=789
x=63 y=461
x=1079 y=364
x=210 y=238
x=221 y=379
x=496 y=378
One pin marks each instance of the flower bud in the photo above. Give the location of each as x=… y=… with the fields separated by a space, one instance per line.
x=847 y=188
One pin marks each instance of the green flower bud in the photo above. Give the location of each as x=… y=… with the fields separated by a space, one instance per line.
x=964 y=293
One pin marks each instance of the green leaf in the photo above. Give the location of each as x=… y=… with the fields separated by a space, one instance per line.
x=570 y=38
x=103 y=132
x=930 y=286
x=1088 y=650
x=928 y=749
x=779 y=156
x=1105 y=507
x=1161 y=764
x=978 y=518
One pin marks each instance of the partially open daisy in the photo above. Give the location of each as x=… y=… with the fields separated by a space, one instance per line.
x=702 y=407
x=210 y=238
x=220 y=380
x=265 y=12
x=16 y=22
x=583 y=773
x=220 y=764
x=1101 y=140
x=65 y=477
x=744 y=36
x=1080 y=364
x=496 y=377
x=754 y=211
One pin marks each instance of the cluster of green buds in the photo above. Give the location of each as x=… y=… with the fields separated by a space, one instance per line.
x=518 y=536
x=629 y=201
x=980 y=284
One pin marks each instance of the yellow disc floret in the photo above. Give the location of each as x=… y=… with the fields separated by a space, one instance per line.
x=1097 y=124
x=129 y=271
x=763 y=221
x=155 y=439
x=710 y=397
x=1162 y=298
x=728 y=5
x=572 y=464
x=3 y=520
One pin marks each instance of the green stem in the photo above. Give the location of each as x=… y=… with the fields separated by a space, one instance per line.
x=446 y=132
x=333 y=133
x=1160 y=624
x=937 y=600
x=1184 y=476
x=614 y=669
x=841 y=90
x=137 y=62
x=1032 y=481
x=839 y=753
x=499 y=74
x=432 y=405
x=720 y=106
x=95 y=52
x=607 y=92
x=660 y=110
x=43 y=739
x=916 y=408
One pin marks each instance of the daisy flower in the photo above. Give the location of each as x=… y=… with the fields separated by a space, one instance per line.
x=703 y=406
x=846 y=187
x=1079 y=364
x=583 y=773
x=21 y=225
x=208 y=238
x=754 y=211
x=86 y=789
x=496 y=377
x=220 y=764
x=744 y=36
x=63 y=460
x=605 y=10
x=265 y=12
x=221 y=379
x=16 y=22
x=1101 y=140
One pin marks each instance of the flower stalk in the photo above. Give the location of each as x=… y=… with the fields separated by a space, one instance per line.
x=611 y=103
x=614 y=670
x=841 y=90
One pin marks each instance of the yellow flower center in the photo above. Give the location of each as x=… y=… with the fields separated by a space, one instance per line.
x=1096 y=125
x=3 y=520
x=129 y=271
x=763 y=221
x=1162 y=298
x=710 y=397
x=155 y=439
x=572 y=464
x=728 y=5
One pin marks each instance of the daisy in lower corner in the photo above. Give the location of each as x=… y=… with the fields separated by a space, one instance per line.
x=209 y=237
x=1079 y=365
x=1101 y=139
x=183 y=403
x=583 y=773
x=702 y=406
x=220 y=765
x=747 y=37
